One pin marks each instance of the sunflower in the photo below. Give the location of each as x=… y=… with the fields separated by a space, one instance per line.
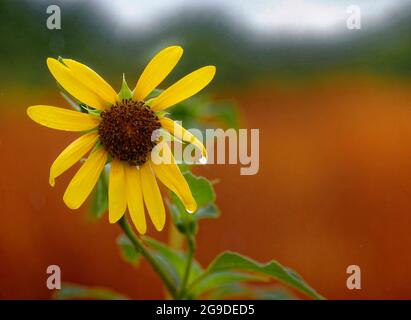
x=118 y=129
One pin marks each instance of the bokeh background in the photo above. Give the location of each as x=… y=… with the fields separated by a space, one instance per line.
x=333 y=107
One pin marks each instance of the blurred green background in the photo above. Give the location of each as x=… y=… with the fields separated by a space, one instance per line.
x=111 y=38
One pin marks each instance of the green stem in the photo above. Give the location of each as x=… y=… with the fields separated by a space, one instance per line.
x=139 y=246
x=190 y=257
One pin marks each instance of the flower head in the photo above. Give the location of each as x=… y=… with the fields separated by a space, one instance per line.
x=118 y=129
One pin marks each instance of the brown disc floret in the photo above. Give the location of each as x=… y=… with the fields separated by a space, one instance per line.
x=126 y=131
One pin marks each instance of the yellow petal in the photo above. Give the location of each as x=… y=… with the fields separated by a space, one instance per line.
x=62 y=119
x=156 y=71
x=170 y=175
x=85 y=179
x=152 y=197
x=72 y=154
x=78 y=90
x=135 y=198
x=184 y=88
x=92 y=80
x=180 y=133
x=117 y=200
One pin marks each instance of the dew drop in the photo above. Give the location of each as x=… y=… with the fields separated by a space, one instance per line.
x=203 y=160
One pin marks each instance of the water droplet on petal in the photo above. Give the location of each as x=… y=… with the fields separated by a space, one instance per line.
x=203 y=160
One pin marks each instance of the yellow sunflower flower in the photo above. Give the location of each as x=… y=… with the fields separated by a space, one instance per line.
x=119 y=130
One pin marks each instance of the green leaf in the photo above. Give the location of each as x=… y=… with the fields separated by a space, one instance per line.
x=272 y=293
x=209 y=212
x=234 y=261
x=201 y=188
x=125 y=92
x=99 y=202
x=244 y=290
x=200 y=110
x=86 y=109
x=75 y=105
x=183 y=167
x=226 y=112
x=161 y=113
x=156 y=92
x=184 y=221
x=73 y=291
x=128 y=252
x=231 y=290
x=203 y=192
x=174 y=260
x=223 y=278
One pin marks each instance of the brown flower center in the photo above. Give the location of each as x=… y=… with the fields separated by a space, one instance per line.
x=126 y=131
